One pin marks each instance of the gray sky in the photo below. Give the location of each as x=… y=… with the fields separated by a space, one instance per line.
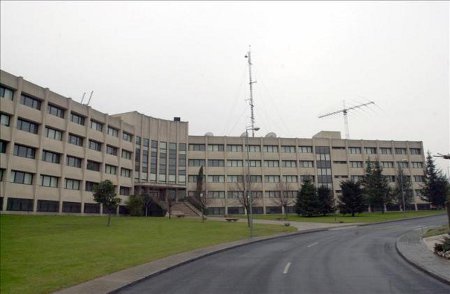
x=187 y=59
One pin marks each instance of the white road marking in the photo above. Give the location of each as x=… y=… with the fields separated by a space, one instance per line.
x=313 y=244
x=286 y=268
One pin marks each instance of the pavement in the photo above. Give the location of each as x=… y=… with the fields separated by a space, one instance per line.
x=417 y=252
x=408 y=245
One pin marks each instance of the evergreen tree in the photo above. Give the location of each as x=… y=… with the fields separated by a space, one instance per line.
x=402 y=181
x=376 y=186
x=436 y=185
x=307 y=202
x=352 y=199
x=135 y=205
x=326 y=200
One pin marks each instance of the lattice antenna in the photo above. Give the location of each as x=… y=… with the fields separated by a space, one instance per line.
x=251 y=82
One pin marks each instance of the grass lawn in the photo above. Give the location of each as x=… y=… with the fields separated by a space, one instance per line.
x=436 y=231
x=365 y=217
x=40 y=254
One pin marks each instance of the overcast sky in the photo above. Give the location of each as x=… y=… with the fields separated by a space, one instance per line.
x=186 y=59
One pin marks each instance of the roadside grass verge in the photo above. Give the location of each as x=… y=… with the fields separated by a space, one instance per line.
x=41 y=254
x=436 y=231
x=366 y=217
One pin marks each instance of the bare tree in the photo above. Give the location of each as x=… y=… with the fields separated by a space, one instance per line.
x=282 y=198
x=243 y=197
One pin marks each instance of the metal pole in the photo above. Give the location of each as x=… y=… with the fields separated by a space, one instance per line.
x=249 y=194
x=400 y=171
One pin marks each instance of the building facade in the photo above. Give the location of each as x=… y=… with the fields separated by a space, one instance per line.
x=54 y=151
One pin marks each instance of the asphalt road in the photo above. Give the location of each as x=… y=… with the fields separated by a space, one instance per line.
x=342 y=260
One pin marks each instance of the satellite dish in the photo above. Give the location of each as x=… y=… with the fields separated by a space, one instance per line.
x=209 y=134
x=271 y=135
x=243 y=135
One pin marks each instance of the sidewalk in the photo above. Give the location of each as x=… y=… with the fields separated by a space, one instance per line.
x=413 y=249
x=129 y=276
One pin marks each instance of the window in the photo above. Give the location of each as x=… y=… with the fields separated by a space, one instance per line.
x=235 y=194
x=288 y=149
x=74 y=161
x=6 y=93
x=419 y=179
x=127 y=137
x=306 y=163
x=216 y=194
x=30 y=102
x=270 y=148
x=272 y=179
x=3 y=145
x=125 y=172
x=290 y=179
x=2 y=174
x=90 y=186
x=93 y=165
x=51 y=156
x=305 y=149
x=216 y=162
x=234 y=148
x=27 y=126
x=254 y=148
x=24 y=151
x=340 y=162
x=402 y=164
x=53 y=134
x=111 y=150
x=72 y=184
x=273 y=194
x=75 y=140
x=235 y=179
x=415 y=151
x=304 y=178
x=55 y=110
x=49 y=181
x=271 y=163
x=126 y=154
x=234 y=163
x=400 y=150
x=356 y=164
x=385 y=150
x=255 y=179
x=4 y=119
x=98 y=126
x=112 y=131
x=197 y=147
x=354 y=150
x=110 y=169
x=216 y=179
x=338 y=148
x=215 y=147
x=370 y=150
x=356 y=178
x=417 y=164
x=196 y=162
x=323 y=157
x=124 y=190
x=19 y=177
x=94 y=145
x=289 y=163
x=387 y=164
x=192 y=179
x=77 y=118
x=254 y=163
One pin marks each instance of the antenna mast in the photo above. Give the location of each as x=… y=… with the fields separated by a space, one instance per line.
x=345 y=113
x=251 y=82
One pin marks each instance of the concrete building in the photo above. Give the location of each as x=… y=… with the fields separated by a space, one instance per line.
x=55 y=150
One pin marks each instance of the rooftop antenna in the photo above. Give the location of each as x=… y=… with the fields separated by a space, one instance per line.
x=251 y=82
x=89 y=101
x=82 y=98
x=345 y=111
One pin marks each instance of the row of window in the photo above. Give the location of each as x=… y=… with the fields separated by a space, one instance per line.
x=299 y=149
x=252 y=163
x=253 y=178
x=255 y=194
x=20 y=177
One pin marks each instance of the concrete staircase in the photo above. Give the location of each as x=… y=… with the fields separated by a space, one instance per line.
x=185 y=208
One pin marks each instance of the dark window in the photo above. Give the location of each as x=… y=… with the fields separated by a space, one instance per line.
x=6 y=93
x=53 y=134
x=3 y=145
x=113 y=131
x=126 y=154
x=111 y=150
x=94 y=145
x=55 y=110
x=90 y=186
x=91 y=208
x=24 y=151
x=71 y=207
x=51 y=156
x=47 y=206
x=74 y=161
x=19 y=177
x=125 y=190
x=93 y=165
x=27 y=126
x=127 y=137
x=76 y=118
x=19 y=204
x=30 y=102
x=197 y=147
x=96 y=125
x=75 y=140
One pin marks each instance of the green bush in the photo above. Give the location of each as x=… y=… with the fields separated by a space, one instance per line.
x=135 y=205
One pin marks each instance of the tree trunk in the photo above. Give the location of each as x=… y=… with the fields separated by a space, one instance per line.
x=109 y=218
x=353 y=214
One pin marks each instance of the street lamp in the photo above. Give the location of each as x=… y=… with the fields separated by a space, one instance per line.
x=249 y=194
x=400 y=171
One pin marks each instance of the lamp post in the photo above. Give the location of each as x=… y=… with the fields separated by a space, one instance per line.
x=400 y=171
x=249 y=194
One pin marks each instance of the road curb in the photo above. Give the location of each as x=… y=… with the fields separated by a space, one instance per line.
x=414 y=262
